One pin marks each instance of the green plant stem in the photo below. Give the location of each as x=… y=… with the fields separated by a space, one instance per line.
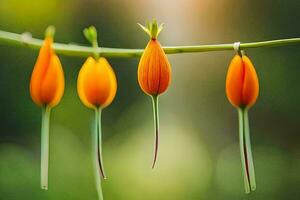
x=84 y=51
x=246 y=152
x=156 y=128
x=242 y=150
x=249 y=151
x=96 y=53
x=96 y=155
x=99 y=145
x=45 y=146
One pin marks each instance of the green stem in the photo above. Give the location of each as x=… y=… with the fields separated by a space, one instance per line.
x=242 y=150
x=84 y=51
x=99 y=145
x=96 y=53
x=45 y=146
x=156 y=128
x=249 y=151
x=97 y=158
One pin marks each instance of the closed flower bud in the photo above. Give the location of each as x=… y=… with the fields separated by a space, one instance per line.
x=96 y=84
x=154 y=70
x=47 y=79
x=154 y=74
x=96 y=87
x=46 y=89
x=242 y=90
x=242 y=86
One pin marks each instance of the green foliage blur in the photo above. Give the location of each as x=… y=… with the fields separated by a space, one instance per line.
x=199 y=153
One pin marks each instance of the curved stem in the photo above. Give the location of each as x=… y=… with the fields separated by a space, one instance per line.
x=99 y=144
x=84 y=51
x=243 y=151
x=97 y=158
x=45 y=146
x=249 y=151
x=156 y=128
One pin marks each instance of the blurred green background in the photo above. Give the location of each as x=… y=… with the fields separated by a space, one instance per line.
x=199 y=153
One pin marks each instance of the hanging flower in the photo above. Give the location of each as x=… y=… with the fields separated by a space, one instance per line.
x=97 y=87
x=154 y=74
x=242 y=89
x=97 y=83
x=242 y=86
x=46 y=90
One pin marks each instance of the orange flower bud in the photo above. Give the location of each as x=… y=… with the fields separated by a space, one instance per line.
x=242 y=85
x=97 y=87
x=154 y=74
x=96 y=84
x=46 y=89
x=154 y=70
x=47 y=79
x=242 y=90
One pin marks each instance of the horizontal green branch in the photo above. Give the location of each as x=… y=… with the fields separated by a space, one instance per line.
x=26 y=40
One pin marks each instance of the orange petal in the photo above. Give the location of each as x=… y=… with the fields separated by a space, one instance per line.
x=88 y=64
x=154 y=69
x=39 y=70
x=53 y=84
x=143 y=68
x=112 y=82
x=165 y=71
x=251 y=85
x=234 y=81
